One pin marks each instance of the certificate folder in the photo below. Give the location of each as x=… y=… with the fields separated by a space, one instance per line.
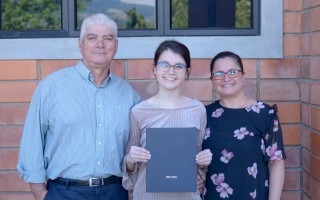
x=172 y=167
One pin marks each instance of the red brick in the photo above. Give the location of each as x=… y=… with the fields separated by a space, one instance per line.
x=145 y=89
x=294 y=5
x=286 y=68
x=250 y=68
x=10 y=136
x=305 y=92
x=315 y=3
x=117 y=67
x=10 y=181
x=293 y=157
x=315 y=141
x=305 y=67
x=292 y=45
x=315 y=167
x=8 y=158
x=13 y=114
x=305 y=45
x=306 y=114
x=305 y=138
x=315 y=118
x=291 y=134
x=291 y=195
x=306 y=22
x=250 y=88
x=315 y=68
x=315 y=41
x=16 y=196
x=18 y=69
x=140 y=69
x=315 y=93
x=292 y=22
x=199 y=89
x=305 y=197
x=292 y=180
x=49 y=66
x=17 y=91
x=315 y=16
x=289 y=112
x=315 y=189
x=200 y=68
x=306 y=182
x=280 y=90
x=306 y=160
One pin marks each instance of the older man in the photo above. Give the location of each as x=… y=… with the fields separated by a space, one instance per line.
x=78 y=123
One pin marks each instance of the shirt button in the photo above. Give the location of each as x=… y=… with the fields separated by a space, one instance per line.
x=99 y=125
x=99 y=106
x=99 y=163
x=99 y=143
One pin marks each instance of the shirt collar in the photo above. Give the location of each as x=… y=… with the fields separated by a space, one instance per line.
x=86 y=75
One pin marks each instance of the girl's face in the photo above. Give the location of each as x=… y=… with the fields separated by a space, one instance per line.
x=227 y=78
x=170 y=70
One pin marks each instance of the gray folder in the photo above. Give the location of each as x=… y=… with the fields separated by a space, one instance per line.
x=172 y=167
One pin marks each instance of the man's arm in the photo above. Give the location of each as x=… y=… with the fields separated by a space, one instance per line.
x=39 y=190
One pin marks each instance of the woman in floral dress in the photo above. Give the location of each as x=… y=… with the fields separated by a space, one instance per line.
x=245 y=138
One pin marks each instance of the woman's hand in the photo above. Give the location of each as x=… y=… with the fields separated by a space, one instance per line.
x=204 y=158
x=138 y=154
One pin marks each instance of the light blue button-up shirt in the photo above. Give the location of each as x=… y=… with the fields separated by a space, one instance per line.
x=75 y=129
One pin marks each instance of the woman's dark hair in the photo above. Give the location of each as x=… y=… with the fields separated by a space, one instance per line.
x=174 y=46
x=226 y=54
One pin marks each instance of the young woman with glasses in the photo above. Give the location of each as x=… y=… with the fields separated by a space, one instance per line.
x=244 y=136
x=168 y=108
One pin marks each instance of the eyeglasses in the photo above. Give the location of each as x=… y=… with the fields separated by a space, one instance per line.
x=165 y=67
x=232 y=73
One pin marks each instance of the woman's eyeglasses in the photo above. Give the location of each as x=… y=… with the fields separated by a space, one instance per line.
x=232 y=73
x=165 y=67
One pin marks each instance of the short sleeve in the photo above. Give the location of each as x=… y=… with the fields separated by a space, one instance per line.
x=273 y=142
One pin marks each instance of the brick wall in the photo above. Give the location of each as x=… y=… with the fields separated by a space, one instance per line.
x=292 y=82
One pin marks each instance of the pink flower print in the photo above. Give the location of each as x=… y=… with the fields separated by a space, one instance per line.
x=253 y=170
x=217 y=113
x=257 y=106
x=224 y=190
x=207 y=134
x=277 y=155
x=272 y=149
x=253 y=194
x=217 y=179
x=239 y=134
x=275 y=125
x=274 y=153
x=226 y=156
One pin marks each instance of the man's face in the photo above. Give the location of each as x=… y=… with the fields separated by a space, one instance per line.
x=98 y=47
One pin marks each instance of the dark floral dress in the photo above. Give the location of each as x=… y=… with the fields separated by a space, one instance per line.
x=242 y=142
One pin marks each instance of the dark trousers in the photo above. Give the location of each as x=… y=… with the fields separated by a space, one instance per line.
x=113 y=191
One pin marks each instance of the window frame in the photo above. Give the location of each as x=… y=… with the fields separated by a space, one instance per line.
x=269 y=44
x=163 y=20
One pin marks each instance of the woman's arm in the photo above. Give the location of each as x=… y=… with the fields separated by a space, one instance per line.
x=277 y=171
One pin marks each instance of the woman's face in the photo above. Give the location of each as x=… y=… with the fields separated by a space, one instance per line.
x=224 y=85
x=170 y=70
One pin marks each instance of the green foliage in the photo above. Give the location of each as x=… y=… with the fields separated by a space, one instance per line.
x=135 y=20
x=31 y=15
x=180 y=14
x=243 y=14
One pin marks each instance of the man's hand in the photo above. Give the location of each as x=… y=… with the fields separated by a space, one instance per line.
x=39 y=190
